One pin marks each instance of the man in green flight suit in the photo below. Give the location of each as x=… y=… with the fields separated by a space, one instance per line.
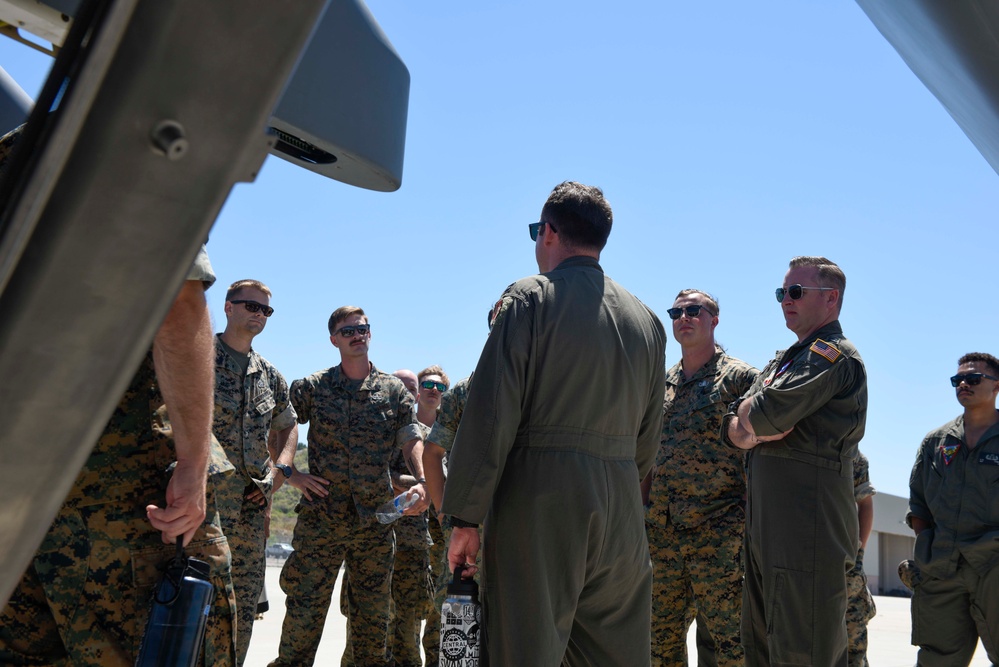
x=954 y=511
x=562 y=423
x=803 y=419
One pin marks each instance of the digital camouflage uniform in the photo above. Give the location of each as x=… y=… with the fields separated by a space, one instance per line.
x=955 y=596
x=412 y=585
x=442 y=434
x=562 y=423
x=801 y=525
x=859 y=604
x=695 y=521
x=84 y=600
x=247 y=409
x=354 y=429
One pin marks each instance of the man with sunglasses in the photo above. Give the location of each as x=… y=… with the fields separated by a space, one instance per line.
x=358 y=417
x=256 y=425
x=954 y=511
x=696 y=496
x=562 y=422
x=412 y=580
x=803 y=419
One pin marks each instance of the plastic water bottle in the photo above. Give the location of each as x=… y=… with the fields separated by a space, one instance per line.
x=176 y=626
x=394 y=508
x=461 y=623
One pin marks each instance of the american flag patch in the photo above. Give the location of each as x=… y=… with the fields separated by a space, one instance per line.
x=825 y=350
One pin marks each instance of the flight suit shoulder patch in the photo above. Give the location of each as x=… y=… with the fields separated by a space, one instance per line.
x=826 y=350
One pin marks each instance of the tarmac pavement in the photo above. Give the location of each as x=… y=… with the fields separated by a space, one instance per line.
x=888 y=632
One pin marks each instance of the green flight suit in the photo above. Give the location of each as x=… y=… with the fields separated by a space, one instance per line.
x=563 y=420
x=955 y=598
x=801 y=528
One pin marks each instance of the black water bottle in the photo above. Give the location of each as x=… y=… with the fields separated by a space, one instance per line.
x=461 y=623
x=176 y=627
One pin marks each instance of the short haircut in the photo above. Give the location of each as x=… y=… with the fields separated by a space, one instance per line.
x=712 y=302
x=434 y=370
x=829 y=274
x=235 y=288
x=983 y=357
x=580 y=215
x=342 y=313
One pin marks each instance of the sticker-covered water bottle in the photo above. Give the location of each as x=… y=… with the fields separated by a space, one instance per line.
x=461 y=623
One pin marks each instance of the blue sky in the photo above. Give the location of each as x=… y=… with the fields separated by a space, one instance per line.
x=728 y=138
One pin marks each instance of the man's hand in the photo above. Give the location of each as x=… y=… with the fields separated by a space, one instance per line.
x=422 y=500
x=463 y=550
x=741 y=433
x=185 y=497
x=257 y=496
x=309 y=484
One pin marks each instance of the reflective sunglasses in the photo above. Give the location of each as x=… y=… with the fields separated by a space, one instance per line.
x=430 y=384
x=349 y=330
x=971 y=379
x=690 y=311
x=796 y=292
x=535 y=228
x=255 y=307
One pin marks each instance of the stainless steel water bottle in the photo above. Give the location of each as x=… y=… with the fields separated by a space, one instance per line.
x=461 y=623
x=176 y=627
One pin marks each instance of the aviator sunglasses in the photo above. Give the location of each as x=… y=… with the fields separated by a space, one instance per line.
x=255 y=307
x=971 y=379
x=689 y=311
x=430 y=384
x=796 y=292
x=350 y=330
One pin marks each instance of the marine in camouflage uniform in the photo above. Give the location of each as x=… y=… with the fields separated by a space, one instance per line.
x=860 y=607
x=696 y=501
x=440 y=439
x=412 y=582
x=355 y=428
x=251 y=402
x=85 y=598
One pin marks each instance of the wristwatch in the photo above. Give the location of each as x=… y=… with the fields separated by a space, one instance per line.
x=285 y=469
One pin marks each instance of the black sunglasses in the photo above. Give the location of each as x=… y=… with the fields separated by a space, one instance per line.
x=255 y=307
x=350 y=330
x=796 y=292
x=535 y=228
x=430 y=384
x=971 y=379
x=690 y=311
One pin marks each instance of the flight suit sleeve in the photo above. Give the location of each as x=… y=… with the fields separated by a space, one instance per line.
x=917 y=490
x=492 y=413
x=777 y=408
x=651 y=430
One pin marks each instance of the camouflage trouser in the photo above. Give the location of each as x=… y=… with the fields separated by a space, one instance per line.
x=438 y=563
x=247 y=541
x=412 y=595
x=697 y=572
x=859 y=610
x=322 y=543
x=85 y=598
